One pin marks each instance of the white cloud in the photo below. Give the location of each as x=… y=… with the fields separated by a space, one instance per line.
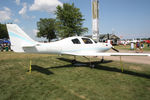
x=23 y=10
x=5 y=14
x=45 y=5
x=16 y=21
x=6 y=9
x=35 y=31
x=18 y=2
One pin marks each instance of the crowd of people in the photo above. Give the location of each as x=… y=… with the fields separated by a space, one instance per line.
x=5 y=47
x=139 y=47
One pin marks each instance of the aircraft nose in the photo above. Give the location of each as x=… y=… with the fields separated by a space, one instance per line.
x=110 y=45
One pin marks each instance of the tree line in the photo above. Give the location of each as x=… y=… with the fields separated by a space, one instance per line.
x=3 y=31
x=68 y=22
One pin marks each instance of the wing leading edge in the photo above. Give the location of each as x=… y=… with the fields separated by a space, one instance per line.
x=108 y=54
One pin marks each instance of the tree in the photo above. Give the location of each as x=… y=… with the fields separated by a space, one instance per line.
x=69 y=21
x=3 y=31
x=46 y=28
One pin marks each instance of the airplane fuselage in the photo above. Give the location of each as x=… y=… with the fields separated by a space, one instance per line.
x=77 y=46
x=69 y=45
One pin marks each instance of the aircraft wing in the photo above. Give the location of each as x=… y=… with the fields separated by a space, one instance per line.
x=108 y=54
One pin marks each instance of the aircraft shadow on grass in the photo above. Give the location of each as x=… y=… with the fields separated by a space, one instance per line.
x=41 y=70
x=86 y=64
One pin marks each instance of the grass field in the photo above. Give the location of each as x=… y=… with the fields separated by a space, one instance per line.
x=53 y=77
x=127 y=47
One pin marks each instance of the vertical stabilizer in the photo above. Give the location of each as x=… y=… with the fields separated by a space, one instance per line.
x=18 y=38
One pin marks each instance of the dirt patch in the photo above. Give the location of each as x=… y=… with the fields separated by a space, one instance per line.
x=148 y=88
x=78 y=95
x=138 y=68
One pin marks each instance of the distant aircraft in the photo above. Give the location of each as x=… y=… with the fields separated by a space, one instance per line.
x=147 y=41
x=125 y=42
x=76 y=46
x=133 y=41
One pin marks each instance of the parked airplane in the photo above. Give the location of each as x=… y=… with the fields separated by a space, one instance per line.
x=76 y=46
x=147 y=41
x=126 y=42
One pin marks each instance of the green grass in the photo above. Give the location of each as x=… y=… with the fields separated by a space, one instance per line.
x=53 y=77
x=127 y=47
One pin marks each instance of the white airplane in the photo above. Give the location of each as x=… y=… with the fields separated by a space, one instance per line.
x=76 y=46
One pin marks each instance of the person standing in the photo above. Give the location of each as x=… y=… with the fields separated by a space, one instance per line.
x=141 y=47
x=137 y=47
x=132 y=46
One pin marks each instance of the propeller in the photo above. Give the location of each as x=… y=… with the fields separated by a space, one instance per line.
x=114 y=49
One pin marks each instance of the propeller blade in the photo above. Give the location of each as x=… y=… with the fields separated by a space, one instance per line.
x=115 y=49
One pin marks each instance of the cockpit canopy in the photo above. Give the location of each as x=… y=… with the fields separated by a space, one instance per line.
x=76 y=41
x=82 y=40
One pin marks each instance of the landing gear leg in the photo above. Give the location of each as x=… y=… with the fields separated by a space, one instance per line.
x=92 y=66
x=121 y=64
x=102 y=60
x=30 y=67
x=74 y=60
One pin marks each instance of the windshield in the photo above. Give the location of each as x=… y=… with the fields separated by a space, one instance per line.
x=87 y=41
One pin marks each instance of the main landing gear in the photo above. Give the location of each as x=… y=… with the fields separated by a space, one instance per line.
x=74 y=61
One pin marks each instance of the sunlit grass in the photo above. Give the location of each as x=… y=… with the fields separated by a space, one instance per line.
x=53 y=77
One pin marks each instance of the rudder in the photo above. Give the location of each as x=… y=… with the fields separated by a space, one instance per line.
x=18 y=38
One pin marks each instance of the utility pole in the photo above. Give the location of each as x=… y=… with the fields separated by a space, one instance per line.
x=95 y=20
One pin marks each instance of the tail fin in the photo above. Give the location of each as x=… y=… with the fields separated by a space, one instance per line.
x=18 y=38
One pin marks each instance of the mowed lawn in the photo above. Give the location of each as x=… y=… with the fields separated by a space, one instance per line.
x=53 y=77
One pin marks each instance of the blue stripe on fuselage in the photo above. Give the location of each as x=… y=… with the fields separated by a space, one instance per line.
x=88 y=49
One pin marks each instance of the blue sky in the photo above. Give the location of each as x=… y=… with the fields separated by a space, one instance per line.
x=126 y=18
